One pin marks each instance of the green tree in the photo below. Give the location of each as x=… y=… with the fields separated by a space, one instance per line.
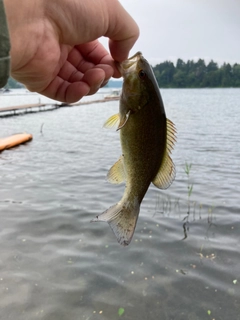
x=201 y=69
x=179 y=79
x=236 y=75
x=212 y=66
x=227 y=75
x=164 y=74
x=13 y=84
x=197 y=74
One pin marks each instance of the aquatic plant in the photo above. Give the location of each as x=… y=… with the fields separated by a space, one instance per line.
x=121 y=311
x=187 y=170
x=41 y=129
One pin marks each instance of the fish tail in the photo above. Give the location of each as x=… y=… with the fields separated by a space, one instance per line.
x=122 y=218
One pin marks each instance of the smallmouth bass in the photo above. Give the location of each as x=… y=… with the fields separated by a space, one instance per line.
x=147 y=139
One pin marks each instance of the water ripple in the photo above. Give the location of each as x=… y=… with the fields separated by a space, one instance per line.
x=184 y=258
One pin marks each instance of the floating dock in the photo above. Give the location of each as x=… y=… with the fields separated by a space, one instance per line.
x=39 y=107
x=27 y=108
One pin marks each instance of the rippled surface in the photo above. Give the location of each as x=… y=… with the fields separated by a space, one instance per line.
x=56 y=265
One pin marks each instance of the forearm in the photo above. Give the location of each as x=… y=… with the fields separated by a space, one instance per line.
x=4 y=48
x=24 y=23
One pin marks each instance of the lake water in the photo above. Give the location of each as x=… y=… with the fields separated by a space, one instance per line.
x=56 y=265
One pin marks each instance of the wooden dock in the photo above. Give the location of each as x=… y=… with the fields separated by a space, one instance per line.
x=39 y=107
x=27 y=108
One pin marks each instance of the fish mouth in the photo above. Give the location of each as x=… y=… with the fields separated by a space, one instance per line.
x=130 y=64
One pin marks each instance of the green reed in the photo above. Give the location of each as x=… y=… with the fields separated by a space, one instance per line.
x=187 y=170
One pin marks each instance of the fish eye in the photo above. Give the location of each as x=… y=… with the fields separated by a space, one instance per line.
x=142 y=74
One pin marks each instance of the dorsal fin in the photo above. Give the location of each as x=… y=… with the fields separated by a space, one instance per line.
x=171 y=135
x=167 y=172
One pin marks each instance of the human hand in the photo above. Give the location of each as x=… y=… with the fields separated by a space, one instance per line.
x=54 y=46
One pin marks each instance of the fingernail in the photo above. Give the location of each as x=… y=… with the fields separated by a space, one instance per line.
x=104 y=83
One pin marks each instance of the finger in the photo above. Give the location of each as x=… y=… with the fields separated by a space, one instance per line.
x=108 y=70
x=122 y=31
x=73 y=73
x=77 y=59
x=95 y=52
x=62 y=90
x=94 y=78
x=69 y=73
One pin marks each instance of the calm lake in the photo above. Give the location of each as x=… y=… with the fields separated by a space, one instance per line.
x=56 y=265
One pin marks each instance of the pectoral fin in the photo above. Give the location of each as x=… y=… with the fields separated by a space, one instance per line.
x=167 y=172
x=116 y=174
x=116 y=122
x=124 y=121
x=112 y=122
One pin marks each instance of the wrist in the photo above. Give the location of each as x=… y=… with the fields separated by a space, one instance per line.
x=23 y=24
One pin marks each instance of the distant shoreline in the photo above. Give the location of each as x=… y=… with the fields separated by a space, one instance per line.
x=198 y=74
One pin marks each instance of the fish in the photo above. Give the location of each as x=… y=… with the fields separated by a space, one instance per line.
x=147 y=140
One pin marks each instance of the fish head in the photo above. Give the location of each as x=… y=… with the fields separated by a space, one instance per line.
x=139 y=84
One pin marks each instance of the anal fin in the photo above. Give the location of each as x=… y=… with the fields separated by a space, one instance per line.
x=116 y=174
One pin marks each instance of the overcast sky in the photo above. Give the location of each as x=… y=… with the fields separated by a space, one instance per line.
x=187 y=29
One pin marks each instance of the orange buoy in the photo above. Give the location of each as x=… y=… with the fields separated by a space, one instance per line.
x=14 y=140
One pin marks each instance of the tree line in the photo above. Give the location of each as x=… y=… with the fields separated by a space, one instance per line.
x=13 y=84
x=188 y=74
x=198 y=74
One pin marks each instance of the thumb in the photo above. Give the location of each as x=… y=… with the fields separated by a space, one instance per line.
x=122 y=31
x=80 y=21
